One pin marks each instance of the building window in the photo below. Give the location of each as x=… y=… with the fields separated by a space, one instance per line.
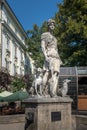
x=15 y=51
x=16 y=31
x=21 y=56
x=8 y=43
x=20 y=71
x=8 y=20
x=15 y=69
x=22 y=38
x=7 y=65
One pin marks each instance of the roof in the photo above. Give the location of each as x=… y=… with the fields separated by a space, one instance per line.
x=73 y=71
x=67 y=71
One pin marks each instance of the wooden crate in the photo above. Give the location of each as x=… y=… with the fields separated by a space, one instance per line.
x=82 y=102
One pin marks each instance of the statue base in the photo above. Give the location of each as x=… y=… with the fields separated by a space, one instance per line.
x=45 y=113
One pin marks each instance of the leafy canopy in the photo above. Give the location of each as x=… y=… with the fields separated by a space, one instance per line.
x=34 y=44
x=70 y=31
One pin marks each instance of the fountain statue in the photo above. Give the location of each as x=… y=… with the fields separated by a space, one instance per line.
x=47 y=80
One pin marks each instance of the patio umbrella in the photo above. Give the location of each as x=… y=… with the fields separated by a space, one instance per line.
x=5 y=94
x=19 y=95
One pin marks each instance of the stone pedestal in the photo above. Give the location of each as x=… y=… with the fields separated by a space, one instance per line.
x=48 y=113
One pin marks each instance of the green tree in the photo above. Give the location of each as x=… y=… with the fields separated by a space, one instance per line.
x=5 y=79
x=34 y=44
x=17 y=84
x=71 y=32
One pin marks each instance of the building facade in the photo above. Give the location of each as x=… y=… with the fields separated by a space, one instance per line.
x=13 y=55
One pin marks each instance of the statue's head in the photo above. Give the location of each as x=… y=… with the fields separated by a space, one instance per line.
x=51 y=24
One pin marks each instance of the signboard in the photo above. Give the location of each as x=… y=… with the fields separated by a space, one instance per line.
x=55 y=116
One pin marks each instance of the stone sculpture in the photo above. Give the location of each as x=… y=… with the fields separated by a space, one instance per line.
x=64 y=90
x=37 y=83
x=46 y=80
x=52 y=60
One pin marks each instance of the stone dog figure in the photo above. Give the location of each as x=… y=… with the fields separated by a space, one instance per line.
x=64 y=90
x=37 y=83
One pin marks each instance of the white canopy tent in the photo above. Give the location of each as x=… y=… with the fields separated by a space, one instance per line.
x=5 y=94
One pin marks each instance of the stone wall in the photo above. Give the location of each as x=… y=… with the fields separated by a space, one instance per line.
x=81 y=122
x=48 y=113
x=17 y=122
x=12 y=122
x=73 y=122
x=44 y=114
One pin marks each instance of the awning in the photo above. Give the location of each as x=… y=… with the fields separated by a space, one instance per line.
x=19 y=95
x=5 y=94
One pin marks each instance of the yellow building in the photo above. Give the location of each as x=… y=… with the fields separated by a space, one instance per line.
x=13 y=55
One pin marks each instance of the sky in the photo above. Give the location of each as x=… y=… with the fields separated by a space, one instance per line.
x=30 y=12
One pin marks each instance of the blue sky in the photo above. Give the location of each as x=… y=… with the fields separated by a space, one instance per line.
x=31 y=12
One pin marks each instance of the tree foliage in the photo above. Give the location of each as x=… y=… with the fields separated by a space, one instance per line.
x=17 y=84
x=21 y=82
x=34 y=44
x=71 y=32
x=5 y=79
x=14 y=83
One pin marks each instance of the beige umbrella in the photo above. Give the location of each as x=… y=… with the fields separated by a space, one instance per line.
x=5 y=94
